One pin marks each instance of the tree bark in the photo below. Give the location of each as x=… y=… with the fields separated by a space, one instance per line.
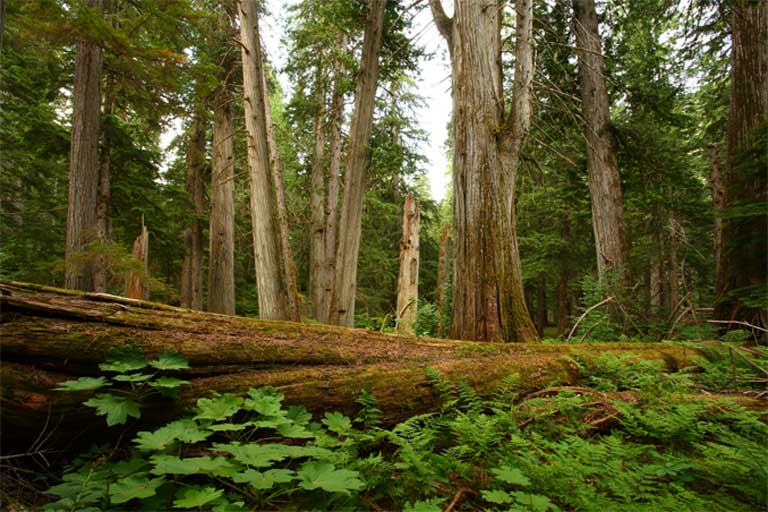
x=221 y=253
x=443 y=280
x=603 y=172
x=541 y=304
x=83 y=163
x=718 y=204
x=288 y=271
x=317 y=226
x=358 y=156
x=743 y=265
x=488 y=298
x=673 y=285
x=192 y=264
x=266 y=246
x=334 y=175
x=101 y=264
x=136 y=281
x=49 y=335
x=408 y=279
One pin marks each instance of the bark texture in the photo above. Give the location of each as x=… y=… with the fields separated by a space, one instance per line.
x=83 y=163
x=317 y=226
x=488 y=299
x=101 y=264
x=192 y=264
x=745 y=244
x=136 y=286
x=49 y=335
x=266 y=246
x=221 y=254
x=408 y=279
x=603 y=171
x=358 y=156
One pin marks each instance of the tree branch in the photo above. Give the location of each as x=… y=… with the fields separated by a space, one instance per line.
x=443 y=21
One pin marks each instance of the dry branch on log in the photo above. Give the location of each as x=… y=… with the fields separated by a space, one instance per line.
x=48 y=335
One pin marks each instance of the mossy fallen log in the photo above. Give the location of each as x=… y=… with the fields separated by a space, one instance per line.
x=49 y=335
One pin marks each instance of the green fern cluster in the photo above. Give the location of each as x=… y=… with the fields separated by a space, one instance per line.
x=628 y=436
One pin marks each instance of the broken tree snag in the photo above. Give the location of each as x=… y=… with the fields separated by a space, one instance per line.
x=48 y=335
x=136 y=280
x=408 y=281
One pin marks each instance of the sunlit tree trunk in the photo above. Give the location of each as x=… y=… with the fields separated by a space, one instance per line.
x=358 y=156
x=603 y=172
x=192 y=264
x=488 y=298
x=272 y=298
x=100 y=267
x=136 y=286
x=745 y=244
x=83 y=162
x=408 y=279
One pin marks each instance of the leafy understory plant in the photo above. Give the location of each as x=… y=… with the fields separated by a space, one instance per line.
x=133 y=378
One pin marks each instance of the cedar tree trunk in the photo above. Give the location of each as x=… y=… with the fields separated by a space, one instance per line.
x=408 y=279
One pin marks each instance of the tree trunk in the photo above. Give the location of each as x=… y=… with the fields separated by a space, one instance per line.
x=266 y=246
x=488 y=301
x=101 y=264
x=743 y=265
x=541 y=304
x=288 y=271
x=317 y=226
x=83 y=163
x=192 y=264
x=408 y=280
x=221 y=254
x=562 y=285
x=443 y=280
x=136 y=281
x=603 y=172
x=718 y=203
x=358 y=156
x=49 y=335
x=334 y=172
x=673 y=281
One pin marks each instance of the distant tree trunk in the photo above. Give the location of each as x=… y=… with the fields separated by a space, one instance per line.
x=345 y=278
x=136 y=281
x=334 y=173
x=192 y=264
x=541 y=303
x=317 y=226
x=83 y=162
x=562 y=285
x=288 y=271
x=443 y=280
x=604 y=184
x=100 y=269
x=266 y=247
x=674 y=270
x=718 y=203
x=408 y=280
x=221 y=254
x=488 y=298
x=745 y=243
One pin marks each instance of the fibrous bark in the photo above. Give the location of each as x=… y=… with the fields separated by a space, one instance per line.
x=745 y=244
x=83 y=162
x=192 y=264
x=49 y=335
x=221 y=256
x=350 y=222
x=443 y=281
x=488 y=301
x=408 y=279
x=608 y=224
x=266 y=245
x=317 y=222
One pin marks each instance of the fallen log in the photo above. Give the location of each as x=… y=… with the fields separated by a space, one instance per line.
x=48 y=335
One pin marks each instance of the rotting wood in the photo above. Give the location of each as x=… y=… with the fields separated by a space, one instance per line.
x=49 y=335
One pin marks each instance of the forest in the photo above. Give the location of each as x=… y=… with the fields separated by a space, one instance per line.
x=254 y=239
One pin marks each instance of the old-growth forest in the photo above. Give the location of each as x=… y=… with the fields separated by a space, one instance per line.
x=422 y=255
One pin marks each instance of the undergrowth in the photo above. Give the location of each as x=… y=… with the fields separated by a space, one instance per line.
x=629 y=435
